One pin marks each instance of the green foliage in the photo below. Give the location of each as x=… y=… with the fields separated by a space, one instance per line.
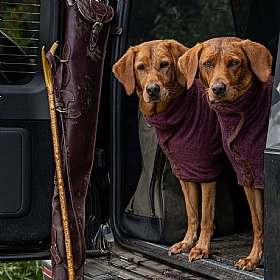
x=193 y=21
x=19 y=25
x=29 y=270
x=20 y=22
x=187 y=21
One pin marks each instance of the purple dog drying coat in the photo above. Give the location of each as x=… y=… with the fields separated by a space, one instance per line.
x=244 y=124
x=189 y=134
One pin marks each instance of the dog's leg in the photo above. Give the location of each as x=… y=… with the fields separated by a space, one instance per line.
x=202 y=248
x=255 y=200
x=191 y=194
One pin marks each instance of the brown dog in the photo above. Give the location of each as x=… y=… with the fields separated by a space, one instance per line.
x=236 y=74
x=182 y=120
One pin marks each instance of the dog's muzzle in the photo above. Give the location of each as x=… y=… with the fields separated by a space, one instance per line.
x=218 y=88
x=153 y=91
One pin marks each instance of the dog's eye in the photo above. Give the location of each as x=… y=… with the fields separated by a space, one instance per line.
x=233 y=63
x=164 y=64
x=207 y=64
x=141 y=67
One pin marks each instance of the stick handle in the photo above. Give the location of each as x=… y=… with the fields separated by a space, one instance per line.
x=58 y=161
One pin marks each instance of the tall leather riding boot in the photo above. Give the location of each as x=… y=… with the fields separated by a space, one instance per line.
x=77 y=84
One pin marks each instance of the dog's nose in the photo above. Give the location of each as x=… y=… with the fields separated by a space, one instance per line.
x=153 y=89
x=218 y=88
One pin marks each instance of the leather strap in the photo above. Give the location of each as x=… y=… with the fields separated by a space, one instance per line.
x=115 y=30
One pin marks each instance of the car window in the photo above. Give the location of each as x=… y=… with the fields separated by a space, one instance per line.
x=19 y=33
x=188 y=21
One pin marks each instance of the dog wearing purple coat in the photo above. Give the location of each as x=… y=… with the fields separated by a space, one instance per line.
x=236 y=75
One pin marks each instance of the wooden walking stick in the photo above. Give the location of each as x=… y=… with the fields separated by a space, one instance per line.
x=58 y=162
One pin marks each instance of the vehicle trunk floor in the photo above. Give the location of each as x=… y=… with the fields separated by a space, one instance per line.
x=134 y=263
x=131 y=266
x=229 y=249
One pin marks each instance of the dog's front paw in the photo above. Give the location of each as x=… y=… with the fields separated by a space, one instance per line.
x=197 y=253
x=179 y=247
x=246 y=264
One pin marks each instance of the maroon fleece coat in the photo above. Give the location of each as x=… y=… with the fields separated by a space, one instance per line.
x=244 y=124
x=189 y=134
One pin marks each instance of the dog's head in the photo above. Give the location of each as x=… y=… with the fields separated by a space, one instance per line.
x=226 y=66
x=151 y=69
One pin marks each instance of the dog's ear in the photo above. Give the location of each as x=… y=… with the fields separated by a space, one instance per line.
x=177 y=50
x=124 y=72
x=259 y=57
x=188 y=63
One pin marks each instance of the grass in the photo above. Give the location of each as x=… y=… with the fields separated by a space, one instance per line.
x=28 y=270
